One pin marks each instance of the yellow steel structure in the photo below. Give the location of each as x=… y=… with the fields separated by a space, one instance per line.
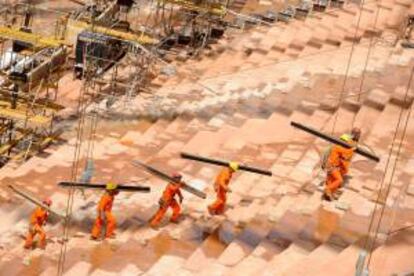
x=80 y=25
x=36 y=40
x=21 y=115
x=212 y=8
x=6 y=147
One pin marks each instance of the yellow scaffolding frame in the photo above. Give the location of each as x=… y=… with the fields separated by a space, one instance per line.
x=141 y=39
x=212 y=8
x=38 y=41
x=21 y=115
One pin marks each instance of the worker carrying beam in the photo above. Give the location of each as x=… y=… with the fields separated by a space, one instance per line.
x=162 y=175
x=104 y=213
x=168 y=201
x=37 y=220
x=221 y=187
x=224 y=163
x=336 y=162
x=334 y=140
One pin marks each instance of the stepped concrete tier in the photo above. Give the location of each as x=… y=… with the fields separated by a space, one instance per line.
x=314 y=71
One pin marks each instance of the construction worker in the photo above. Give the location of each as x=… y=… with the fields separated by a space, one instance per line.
x=104 y=213
x=168 y=201
x=337 y=163
x=221 y=187
x=37 y=220
x=353 y=140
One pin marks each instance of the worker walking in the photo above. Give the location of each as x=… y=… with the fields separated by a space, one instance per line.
x=105 y=213
x=168 y=201
x=37 y=220
x=352 y=139
x=337 y=163
x=221 y=187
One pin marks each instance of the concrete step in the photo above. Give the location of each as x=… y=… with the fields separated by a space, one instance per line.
x=290 y=257
x=392 y=257
x=244 y=243
x=166 y=265
x=205 y=254
x=323 y=254
x=348 y=258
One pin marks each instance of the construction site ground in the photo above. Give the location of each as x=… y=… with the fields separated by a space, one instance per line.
x=334 y=70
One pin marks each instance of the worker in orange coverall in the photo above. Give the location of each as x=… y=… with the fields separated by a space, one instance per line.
x=104 y=213
x=221 y=187
x=338 y=162
x=168 y=201
x=353 y=140
x=37 y=220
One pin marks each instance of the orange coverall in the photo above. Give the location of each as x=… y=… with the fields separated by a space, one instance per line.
x=168 y=201
x=105 y=208
x=37 y=219
x=338 y=164
x=221 y=188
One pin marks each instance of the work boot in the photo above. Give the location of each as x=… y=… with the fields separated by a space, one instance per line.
x=93 y=238
x=113 y=236
x=28 y=246
x=176 y=221
x=328 y=196
x=338 y=193
x=154 y=226
x=212 y=211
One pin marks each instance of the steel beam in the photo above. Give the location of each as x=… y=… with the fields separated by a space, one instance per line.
x=334 y=140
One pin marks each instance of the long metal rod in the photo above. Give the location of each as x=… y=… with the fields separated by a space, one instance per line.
x=334 y=140
x=224 y=163
x=34 y=200
x=166 y=177
x=101 y=186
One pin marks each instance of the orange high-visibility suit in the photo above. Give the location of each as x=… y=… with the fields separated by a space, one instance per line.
x=37 y=220
x=221 y=186
x=104 y=213
x=337 y=166
x=346 y=161
x=168 y=201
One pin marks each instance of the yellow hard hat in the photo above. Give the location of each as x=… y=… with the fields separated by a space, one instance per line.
x=346 y=137
x=111 y=186
x=234 y=166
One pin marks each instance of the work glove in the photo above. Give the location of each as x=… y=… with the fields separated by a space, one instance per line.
x=181 y=199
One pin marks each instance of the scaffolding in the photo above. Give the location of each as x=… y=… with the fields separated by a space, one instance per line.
x=115 y=47
x=31 y=66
